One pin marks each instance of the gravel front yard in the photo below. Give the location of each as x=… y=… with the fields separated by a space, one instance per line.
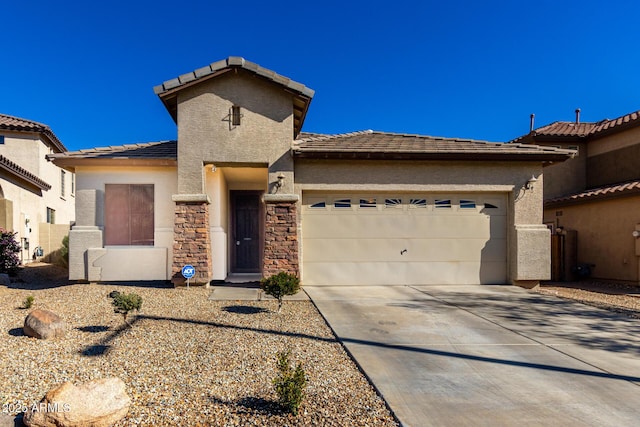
x=187 y=360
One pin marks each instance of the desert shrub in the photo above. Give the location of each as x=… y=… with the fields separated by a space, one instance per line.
x=124 y=303
x=289 y=383
x=28 y=302
x=9 y=249
x=63 y=252
x=279 y=285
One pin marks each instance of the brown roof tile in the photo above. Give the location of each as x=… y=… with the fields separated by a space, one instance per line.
x=378 y=145
x=162 y=150
x=22 y=173
x=609 y=191
x=22 y=125
x=581 y=130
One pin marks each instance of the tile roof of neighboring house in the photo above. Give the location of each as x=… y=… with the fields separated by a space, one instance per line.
x=22 y=125
x=607 y=192
x=302 y=94
x=383 y=145
x=581 y=130
x=162 y=152
x=22 y=173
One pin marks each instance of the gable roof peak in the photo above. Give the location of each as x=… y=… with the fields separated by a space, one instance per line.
x=302 y=94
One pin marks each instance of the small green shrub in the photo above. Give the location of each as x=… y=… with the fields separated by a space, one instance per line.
x=9 y=249
x=289 y=383
x=279 y=285
x=28 y=302
x=64 y=252
x=124 y=303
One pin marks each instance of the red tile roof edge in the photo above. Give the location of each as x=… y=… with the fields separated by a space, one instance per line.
x=18 y=124
x=22 y=173
x=604 y=192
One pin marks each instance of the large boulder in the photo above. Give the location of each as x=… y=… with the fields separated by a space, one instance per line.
x=44 y=324
x=96 y=403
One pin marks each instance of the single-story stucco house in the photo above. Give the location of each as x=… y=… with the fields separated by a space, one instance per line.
x=244 y=191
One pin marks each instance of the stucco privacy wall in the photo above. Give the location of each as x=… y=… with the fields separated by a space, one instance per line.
x=88 y=259
x=604 y=235
x=527 y=238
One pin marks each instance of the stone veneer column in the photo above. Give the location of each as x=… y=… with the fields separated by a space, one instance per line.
x=191 y=239
x=281 y=235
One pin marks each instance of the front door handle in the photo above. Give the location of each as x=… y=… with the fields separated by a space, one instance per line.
x=237 y=242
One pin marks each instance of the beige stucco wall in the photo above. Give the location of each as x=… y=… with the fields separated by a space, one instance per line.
x=206 y=135
x=604 y=235
x=527 y=238
x=121 y=262
x=614 y=141
x=28 y=151
x=566 y=177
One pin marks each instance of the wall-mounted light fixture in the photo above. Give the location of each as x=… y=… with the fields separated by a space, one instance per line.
x=280 y=181
x=213 y=168
x=529 y=185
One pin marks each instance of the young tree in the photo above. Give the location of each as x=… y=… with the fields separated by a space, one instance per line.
x=279 y=285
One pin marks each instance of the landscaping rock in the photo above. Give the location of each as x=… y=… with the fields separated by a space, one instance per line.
x=7 y=420
x=97 y=403
x=44 y=324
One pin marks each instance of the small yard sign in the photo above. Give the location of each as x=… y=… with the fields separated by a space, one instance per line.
x=188 y=271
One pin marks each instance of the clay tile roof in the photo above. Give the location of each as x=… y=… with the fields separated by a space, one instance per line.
x=22 y=125
x=22 y=173
x=383 y=145
x=581 y=130
x=302 y=94
x=606 y=192
x=162 y=150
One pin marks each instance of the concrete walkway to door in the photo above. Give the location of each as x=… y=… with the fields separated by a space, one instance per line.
x=489 y=355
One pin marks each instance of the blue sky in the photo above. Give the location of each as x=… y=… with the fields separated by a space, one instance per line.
x=470 y=69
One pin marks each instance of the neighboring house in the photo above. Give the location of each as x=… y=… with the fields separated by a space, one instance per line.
x=243 y=191
x=36 y=196
x=592 y=202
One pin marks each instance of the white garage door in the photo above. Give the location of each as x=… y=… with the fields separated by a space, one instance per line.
x=403 y=239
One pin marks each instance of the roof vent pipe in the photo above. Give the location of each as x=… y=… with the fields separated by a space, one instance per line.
x=532 y=118
x=577 y=115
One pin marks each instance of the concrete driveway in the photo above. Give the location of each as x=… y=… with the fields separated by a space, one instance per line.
x=489 y=355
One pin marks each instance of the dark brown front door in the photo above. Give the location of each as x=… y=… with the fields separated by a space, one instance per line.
x=246 y=232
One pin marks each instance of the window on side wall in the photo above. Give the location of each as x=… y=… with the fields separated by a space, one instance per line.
x=62 y=179
x=129 y=214
x=51 y=216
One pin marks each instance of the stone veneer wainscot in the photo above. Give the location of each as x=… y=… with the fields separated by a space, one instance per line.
x=281 y=235
x=192 y=243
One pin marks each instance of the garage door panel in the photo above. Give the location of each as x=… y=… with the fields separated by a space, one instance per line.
x=413 y=273
x=354 y=225
x=405 y=244
x=403 y=250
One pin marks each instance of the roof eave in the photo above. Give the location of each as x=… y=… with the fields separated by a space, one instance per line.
x=466 y=156
x=22 y=174
x=588 y=199
x=70 y=163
